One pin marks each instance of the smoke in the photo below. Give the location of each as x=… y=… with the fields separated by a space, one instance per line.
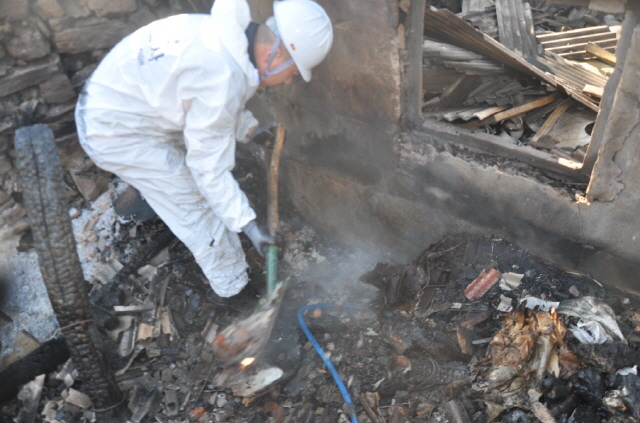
x=330 y=272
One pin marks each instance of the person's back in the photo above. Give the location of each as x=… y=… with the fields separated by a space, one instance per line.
x=160 y=69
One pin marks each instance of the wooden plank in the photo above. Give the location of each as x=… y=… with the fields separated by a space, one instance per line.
x=491 y=144
x=525 y=107
x=578 y=40
x=580 y=47
x=601 y=54
x=594 y=91
x=574 y=33
x=516 y=111
x=444 y=26
x=551 y=120
x=542 y=111
x=584 y=55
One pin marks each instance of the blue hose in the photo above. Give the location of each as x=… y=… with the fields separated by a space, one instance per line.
x=327 y=362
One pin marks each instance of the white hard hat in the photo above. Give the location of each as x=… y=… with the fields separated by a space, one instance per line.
x=306 y=32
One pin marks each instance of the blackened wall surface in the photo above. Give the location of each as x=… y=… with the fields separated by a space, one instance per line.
x=355 y=169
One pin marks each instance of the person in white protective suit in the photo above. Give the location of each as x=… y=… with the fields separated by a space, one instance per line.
x=164 y=109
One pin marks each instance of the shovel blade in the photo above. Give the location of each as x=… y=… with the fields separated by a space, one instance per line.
x=247 y=338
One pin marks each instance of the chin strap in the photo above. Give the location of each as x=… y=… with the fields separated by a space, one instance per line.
x=274 y=48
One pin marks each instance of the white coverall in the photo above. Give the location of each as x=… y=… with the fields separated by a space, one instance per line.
x=163 y=111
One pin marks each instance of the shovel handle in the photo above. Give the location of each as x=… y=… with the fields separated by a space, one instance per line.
x=273 y=219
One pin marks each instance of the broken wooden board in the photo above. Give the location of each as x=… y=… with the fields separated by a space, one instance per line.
x=516 y=111
x=572 y=77
x=445 y=26
x=555 y=115
x=601 y=54
x=477 y=140
x=569 y=127
x=572 y=44
x=465 y=114
x=593 y=91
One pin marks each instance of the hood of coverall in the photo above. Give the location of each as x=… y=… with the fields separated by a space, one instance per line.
x=229 y=18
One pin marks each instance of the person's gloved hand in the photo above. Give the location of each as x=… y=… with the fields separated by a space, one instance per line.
x=260 y=135
x=260 y=240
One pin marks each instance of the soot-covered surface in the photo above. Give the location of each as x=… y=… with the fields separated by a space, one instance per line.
x=406 y=342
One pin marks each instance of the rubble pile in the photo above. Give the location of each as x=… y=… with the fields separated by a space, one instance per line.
x=530 y=72
x=474 y=329
x=539 y=343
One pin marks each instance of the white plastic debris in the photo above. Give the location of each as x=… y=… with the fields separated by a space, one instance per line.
x=534 y=303
x=590 y=333
x=510 y=281
x=505 y=304
x=591 y=309
x=628 y=371
x=30 y=396
x=78 y=398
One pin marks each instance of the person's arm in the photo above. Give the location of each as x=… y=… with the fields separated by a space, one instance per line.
x=213 y=102
x=246 y=124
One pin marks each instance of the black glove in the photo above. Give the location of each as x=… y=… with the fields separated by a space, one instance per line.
x=260 y=135
x=260 y=240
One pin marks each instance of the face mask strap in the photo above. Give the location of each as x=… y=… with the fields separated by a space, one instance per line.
x=274 y=48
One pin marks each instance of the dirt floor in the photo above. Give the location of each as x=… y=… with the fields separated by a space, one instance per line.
x=406 y=341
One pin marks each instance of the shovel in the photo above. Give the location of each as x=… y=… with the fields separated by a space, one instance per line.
x=238 y=345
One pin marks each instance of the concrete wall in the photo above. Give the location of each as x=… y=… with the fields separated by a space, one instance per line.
x=353 y=167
